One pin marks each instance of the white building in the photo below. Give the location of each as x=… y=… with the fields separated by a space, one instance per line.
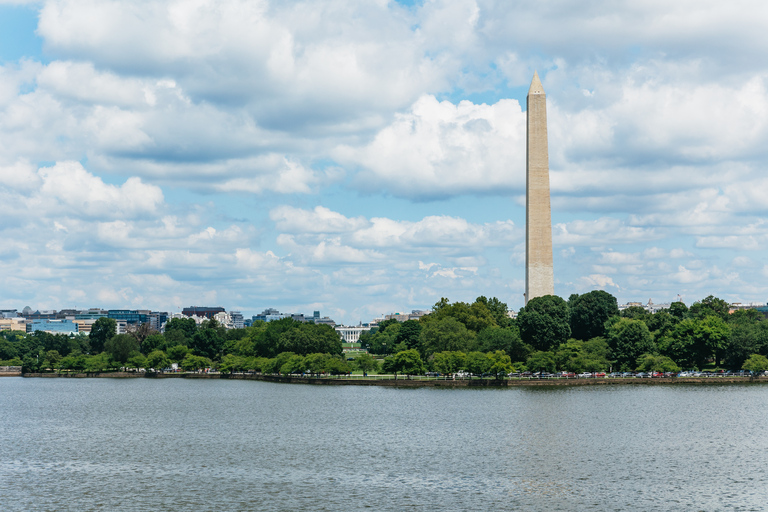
x=350 y=334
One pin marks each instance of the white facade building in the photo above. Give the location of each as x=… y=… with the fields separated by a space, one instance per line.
x=350 y=334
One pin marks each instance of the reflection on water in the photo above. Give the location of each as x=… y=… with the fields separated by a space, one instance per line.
x=139 y=444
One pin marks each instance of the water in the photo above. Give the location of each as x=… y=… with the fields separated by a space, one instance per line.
x=174 y=444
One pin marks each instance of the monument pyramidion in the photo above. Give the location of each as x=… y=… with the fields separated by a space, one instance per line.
x=539 y=272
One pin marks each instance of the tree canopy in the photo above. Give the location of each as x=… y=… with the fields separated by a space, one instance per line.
x=589 y=312
x=544 y=322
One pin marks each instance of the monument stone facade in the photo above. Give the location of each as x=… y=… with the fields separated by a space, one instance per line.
x=539 y=270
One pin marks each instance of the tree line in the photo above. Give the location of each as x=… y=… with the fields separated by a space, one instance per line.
x=192 y=347
x=585 y=333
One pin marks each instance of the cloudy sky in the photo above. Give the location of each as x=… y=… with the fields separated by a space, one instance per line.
x=360 y=157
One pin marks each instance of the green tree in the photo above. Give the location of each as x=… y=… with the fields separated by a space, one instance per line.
x=366 y=363
x=31 y=364
x=755 y=363
x=7 y=350
x=172 y=339
x=265 y=337
x=157 y=360
x=136 y=361
x=635 y=313
x=544 y=322
x=583 y=356
x=749 y=335
x=177 y=353
x=656 y=363
x=207 y=342
x=500 y=364
x=75 y=362
x=541 y=360
x=380 y=342
x=629 y=339
x=712 y=334
x=447 y=334
x=499 y=310
x=309 y=338
x=477 y=363
x=192 y=363
x=680 y=344
x=121 y=346
x=152 y=342
x=317 y=363
x=589 y=312
x=231 y=363
x=710 y=306
x=409 y=333
x=507 y=339
x=295 y=364
x=99 y=362
x=408 y=362
x=102 y=330
x=52 y=360
x=273 y=365
x=335 y=365
x=186 y=326
x=449 y=362
x=678 y=310
x=660 y=323
x=475 y=317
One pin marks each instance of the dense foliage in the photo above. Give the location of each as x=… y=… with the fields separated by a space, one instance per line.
x=191 y=346
x=587 y=333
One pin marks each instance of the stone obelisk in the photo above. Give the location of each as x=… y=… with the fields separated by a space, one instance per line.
x=539 y=274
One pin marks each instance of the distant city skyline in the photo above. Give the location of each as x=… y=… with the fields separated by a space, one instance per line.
x=364 y=157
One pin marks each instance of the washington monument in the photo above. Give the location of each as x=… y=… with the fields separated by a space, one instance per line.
x=539 y=274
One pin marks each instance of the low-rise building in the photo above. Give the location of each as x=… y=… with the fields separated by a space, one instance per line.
x=415 y=314
x=760 y=307
x=53 y=326
x=206 y=311
x=13 y=324
x=650 y=307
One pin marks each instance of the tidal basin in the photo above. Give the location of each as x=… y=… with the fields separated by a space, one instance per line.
x=179 y=444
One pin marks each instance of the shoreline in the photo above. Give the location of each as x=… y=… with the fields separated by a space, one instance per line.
x=406 y=383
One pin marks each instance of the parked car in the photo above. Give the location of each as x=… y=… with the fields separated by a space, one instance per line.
x=599 y=374
x=585 y=375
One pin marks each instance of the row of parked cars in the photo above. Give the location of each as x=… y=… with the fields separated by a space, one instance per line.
x=635 y=375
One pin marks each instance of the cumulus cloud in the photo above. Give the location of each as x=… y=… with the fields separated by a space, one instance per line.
x=277 y=58
x=319 y=220
x=67 y=189
x=440 y=149
x=602 y=231
x=657 y=121
x=324 y=237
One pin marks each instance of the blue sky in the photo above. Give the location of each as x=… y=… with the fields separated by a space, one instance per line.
x=365 y=157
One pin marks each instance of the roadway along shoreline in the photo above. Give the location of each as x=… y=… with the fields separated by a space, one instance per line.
x=416 y=383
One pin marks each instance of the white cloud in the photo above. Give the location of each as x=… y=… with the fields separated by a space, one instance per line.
x=320 y=220
x=277 y=58
x=598 y=281
x=439 y=149
x=68 y=186
x=599 y=232
x=289 y=178
x=657 y=125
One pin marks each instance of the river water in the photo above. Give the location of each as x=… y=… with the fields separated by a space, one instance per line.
x=175 y=444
